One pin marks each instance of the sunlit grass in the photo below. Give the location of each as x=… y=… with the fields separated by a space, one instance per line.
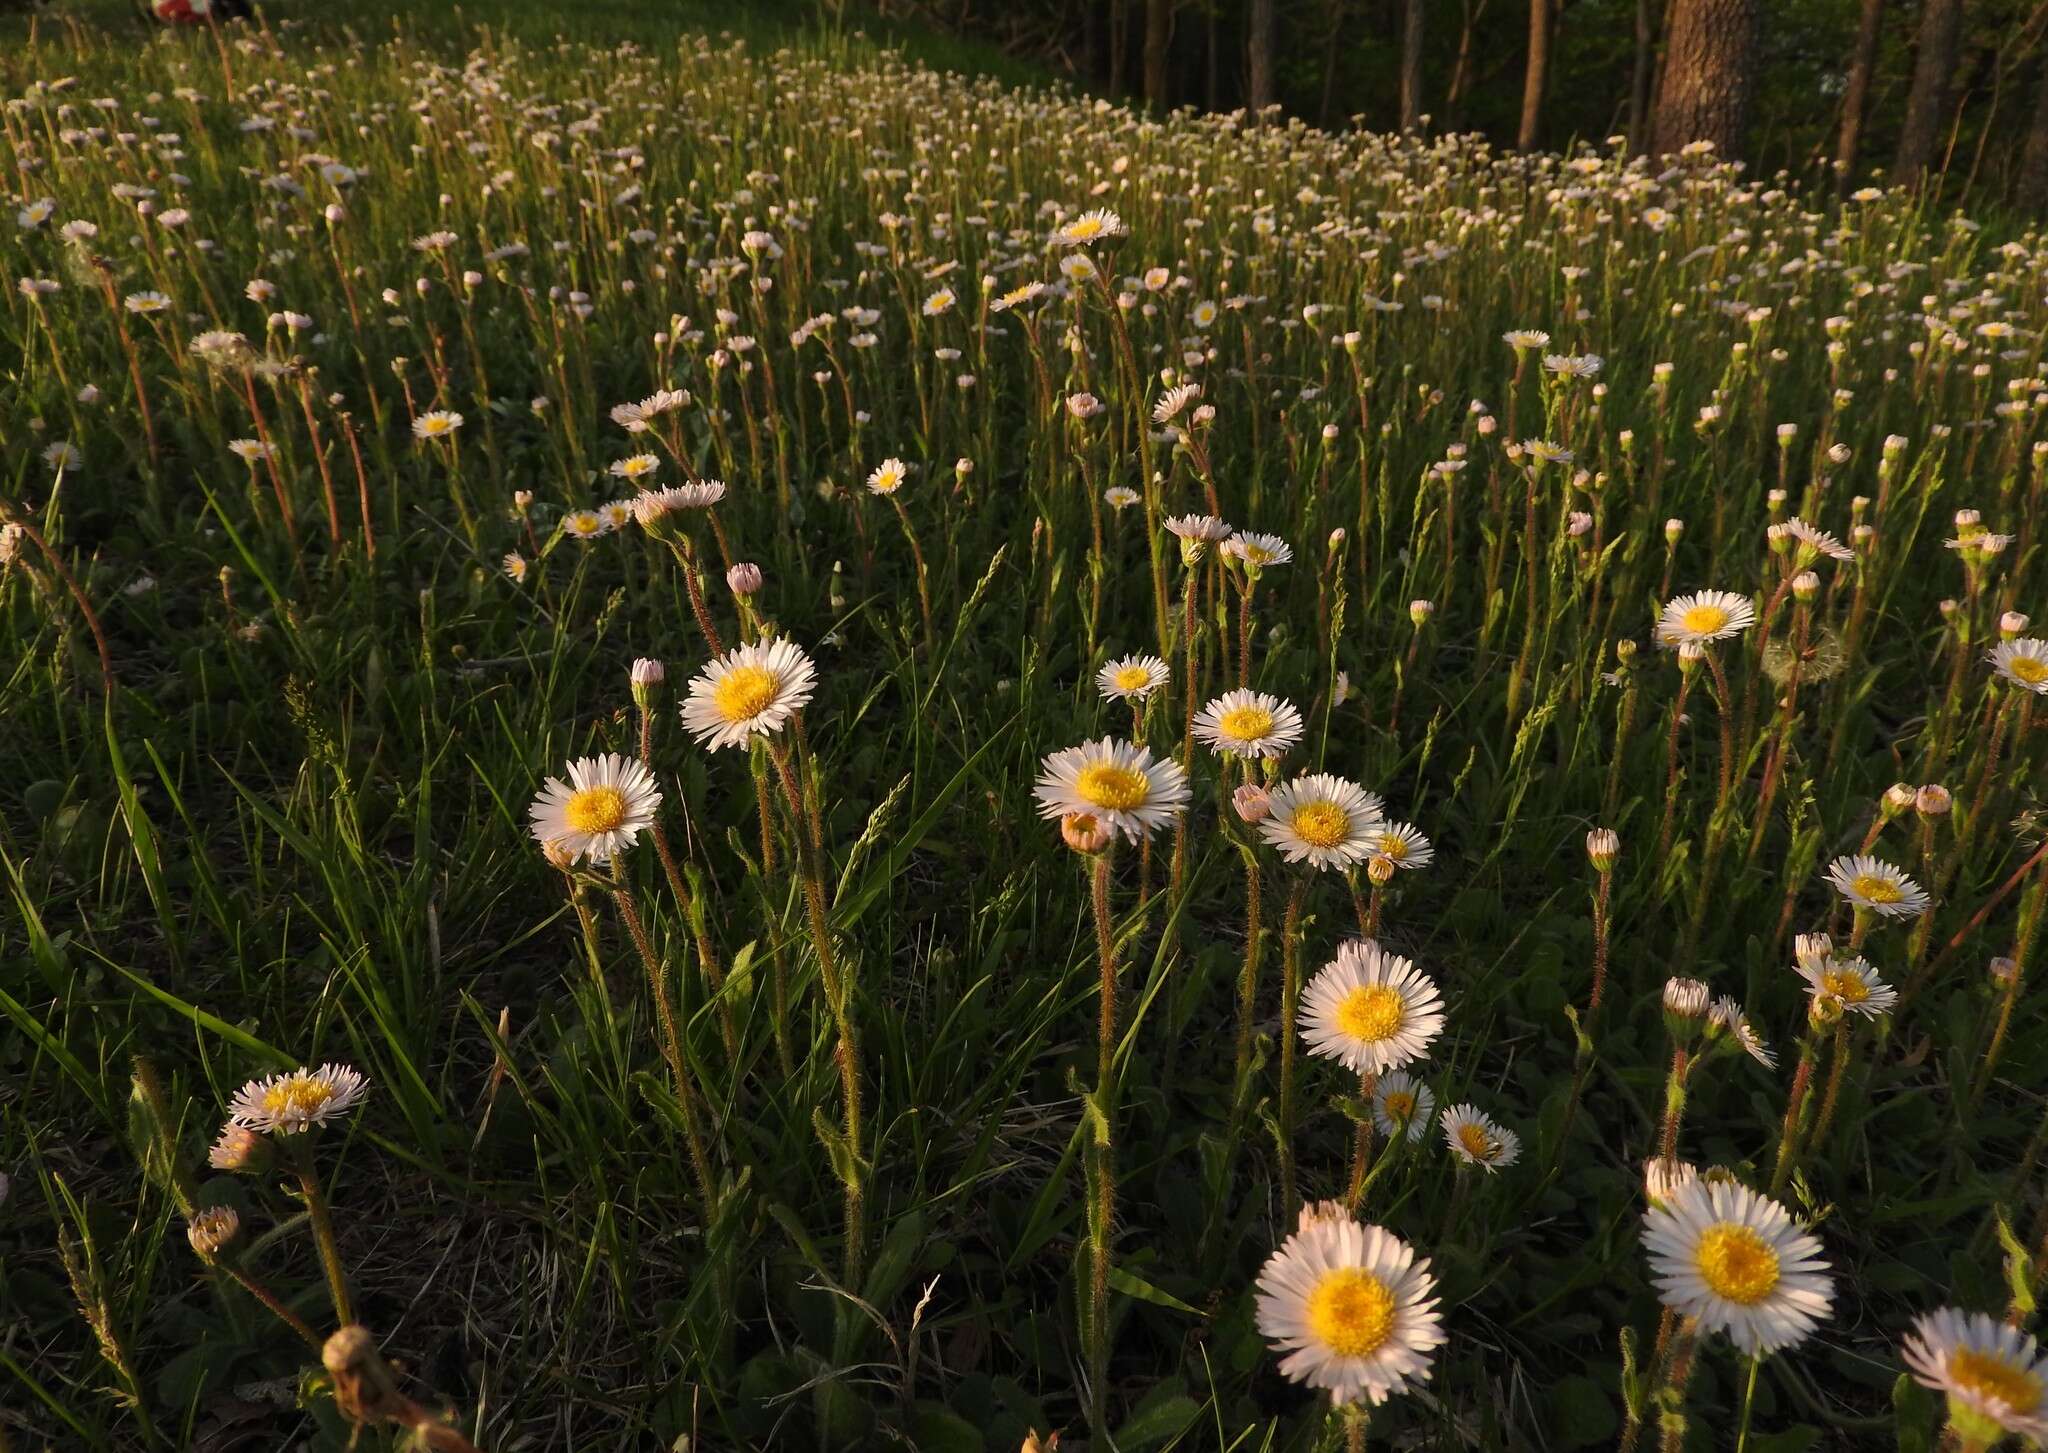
x=933 y=990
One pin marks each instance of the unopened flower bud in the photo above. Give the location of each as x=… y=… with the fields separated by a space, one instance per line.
x=1933 y=800
x=1603 y=846
x=648 y=676
x=2012 y=623
x=1673 y=529
x=1083 y=833
x=1813 y=950
x=1805 y=586
x=239 y=1148
x=1897 y=798
x=1419 y=611
x=1685 y=1008
x=1254 y=805
x=743 y=578
x=2003 y=971
x=1380 y=870
x=213 y=1231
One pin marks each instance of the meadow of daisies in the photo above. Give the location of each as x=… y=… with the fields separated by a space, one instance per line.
x=713 y=749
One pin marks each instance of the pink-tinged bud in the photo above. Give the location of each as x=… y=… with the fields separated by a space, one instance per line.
x=2013 y=623
x=2004 y=971
x=1933 y=800
x=239 y=1148
x=1419 y=612
x=213 y=1230
x=1083 y=833
x=1897 y=798
x=1805 y=586
x=1083 y=406
x=743 y=579
x=1252 y=802
x=1603 y=846
x=1673 y=530
x=1380 y=870
x=648 y=676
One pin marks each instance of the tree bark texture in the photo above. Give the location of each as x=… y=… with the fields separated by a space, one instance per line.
x=1856 y=99
x=1537 y=76
x=1258 y=44
x=1709 y=75
x=1934 y=62
x=1158 y=39
x=1411 y=64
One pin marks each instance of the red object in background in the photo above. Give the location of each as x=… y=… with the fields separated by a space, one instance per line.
x=180 y=12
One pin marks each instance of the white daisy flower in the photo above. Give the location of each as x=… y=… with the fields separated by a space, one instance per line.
x=436 y=424
x=1370 y=1010
x=1116 y=783
x=1852 y=983
x=1322 y=820
x=2024 y=662
x=289 y=1103
x=607 y=802
x=1121 y=496
x=634 y=466
x=749 y=691
x=1402 y=1104
x=1098 y=225
x=584 y=524
x=1736 y=1261
x=1352 y=1308
x=1132 y=678
x=1726 y=1017
x=1256 y=551
x=1994 y=1376
x=1402 y=844
x=1706 y=615
x=1873 y=884
x=888 y=476
x=1248 y=724
x=1476 y=1138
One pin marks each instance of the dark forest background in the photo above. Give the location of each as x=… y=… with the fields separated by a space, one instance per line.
x=1937 y=92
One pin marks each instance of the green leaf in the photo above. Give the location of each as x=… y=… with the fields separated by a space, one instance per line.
x=1133 y=1285
x=941 y=1430
x=1157 y=1420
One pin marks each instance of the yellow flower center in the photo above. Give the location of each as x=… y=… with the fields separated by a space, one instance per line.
x=744 y=692
x=1371 y=1012
x=1876 y=889
x=1400 y=1105
x=595 y=809
x=1704 y=620
x=1085 y=228
x=296 y=1097
x=1133 y=678
x=1990 y=1376
x=1351 y=1312
x=1846 y=985
x=1393 y=845
x=1321 y=824
x=1478 y=1144
x=2029 y=669
x=1113 y=788
x=435 y=426
x=1736 y=1265
x=1245 y=723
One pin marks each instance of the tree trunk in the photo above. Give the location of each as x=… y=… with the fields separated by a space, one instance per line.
x=1537 y=76
x=1461 y=69
x=1927 y=101
x=1119 y=43
x=1328 y=110
x=1158 y=37
x=1639 y=79
x=1856 y=99
x=1258 y=45
x=1709 y=73
x=1411 y=65
x=2033 y=188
